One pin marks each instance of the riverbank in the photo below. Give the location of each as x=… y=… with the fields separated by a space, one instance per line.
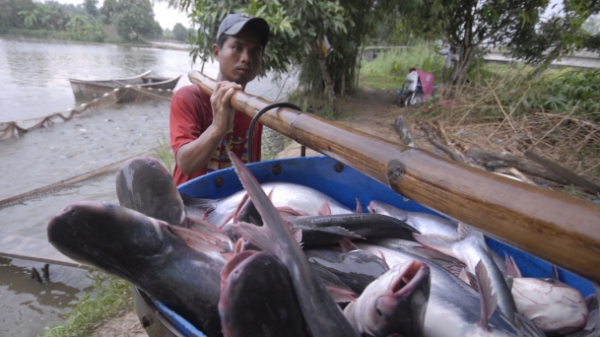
x=48 y=37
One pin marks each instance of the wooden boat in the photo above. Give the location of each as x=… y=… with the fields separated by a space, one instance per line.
x=86 y=90
x=337 y=180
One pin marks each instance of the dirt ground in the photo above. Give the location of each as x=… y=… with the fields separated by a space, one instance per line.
x=372 y=111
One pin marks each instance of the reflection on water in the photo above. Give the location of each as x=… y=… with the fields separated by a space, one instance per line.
x=26 y=306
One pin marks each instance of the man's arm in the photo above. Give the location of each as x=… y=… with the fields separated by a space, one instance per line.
x=195 y=155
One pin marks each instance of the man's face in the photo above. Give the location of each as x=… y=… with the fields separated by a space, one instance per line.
x=239 y=58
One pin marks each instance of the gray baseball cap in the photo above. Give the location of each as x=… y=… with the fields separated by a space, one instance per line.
x=234 y=23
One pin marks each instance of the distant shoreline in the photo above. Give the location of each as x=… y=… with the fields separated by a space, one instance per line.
x=167 y=44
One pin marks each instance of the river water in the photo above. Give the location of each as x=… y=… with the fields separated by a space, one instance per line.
x=34 y=84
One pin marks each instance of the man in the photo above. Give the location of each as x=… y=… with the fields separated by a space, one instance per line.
x=205 y=128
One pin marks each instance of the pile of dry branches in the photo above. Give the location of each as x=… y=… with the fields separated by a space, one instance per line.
x=499 y=141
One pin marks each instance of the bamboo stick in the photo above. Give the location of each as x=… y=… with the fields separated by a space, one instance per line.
x=558 y=228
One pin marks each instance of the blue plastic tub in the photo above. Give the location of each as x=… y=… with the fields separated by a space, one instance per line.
x=345 y=185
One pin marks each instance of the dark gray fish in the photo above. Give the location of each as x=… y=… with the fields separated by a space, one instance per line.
x=357 y=268
x=323 y=316
x=144 y=252
x=394 y=304
x=145 y=185
x=258 y=298
x=366 y=225
x=424 y=223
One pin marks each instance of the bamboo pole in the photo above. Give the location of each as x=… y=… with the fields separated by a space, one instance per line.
x=558 y=228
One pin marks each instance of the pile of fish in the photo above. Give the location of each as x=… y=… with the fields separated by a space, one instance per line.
x=280 y=259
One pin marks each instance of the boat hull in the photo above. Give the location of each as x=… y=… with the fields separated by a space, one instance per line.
x=345 y=185
x=126 y=89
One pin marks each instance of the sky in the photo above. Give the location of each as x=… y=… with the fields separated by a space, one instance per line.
x=167 y=17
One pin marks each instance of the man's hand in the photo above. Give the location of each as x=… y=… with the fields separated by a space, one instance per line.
x=223 y=112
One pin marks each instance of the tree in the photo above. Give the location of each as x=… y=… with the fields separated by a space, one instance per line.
x=469 y=25
x=559 y=35
x=91 y=7
x=108 y=10
x=179 y=32
x=132 y=18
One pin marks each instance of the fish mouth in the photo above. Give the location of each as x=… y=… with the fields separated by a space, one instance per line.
x=412 y=277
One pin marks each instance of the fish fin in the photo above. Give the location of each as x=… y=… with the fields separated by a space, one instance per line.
x=341 y=295
x=359 y=208
x=441 y=243
x=199 y=241
x=297 y=235
x=291 y=211
x=432 y=253
x=228 y=256
x=205 y=227
x=324 y=209
x=511 y=266
x=240 y=207
x=487 y=298
x=205 y=205
x=347 y=245
x=592 y=320
x=336 y=230
x=262 y=237
x=525 y=327
x=235 y=261
x=592 y=302
x=468 y=278
x=386 y=266
x=555 y=273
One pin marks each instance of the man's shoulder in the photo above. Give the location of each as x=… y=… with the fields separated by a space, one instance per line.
x=191 y=92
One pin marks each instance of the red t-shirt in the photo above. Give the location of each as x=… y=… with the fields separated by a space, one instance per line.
x=191 y=114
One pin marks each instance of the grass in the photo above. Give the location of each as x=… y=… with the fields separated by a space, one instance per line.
x=108 y=297
x=389 y=69
x=165 y=153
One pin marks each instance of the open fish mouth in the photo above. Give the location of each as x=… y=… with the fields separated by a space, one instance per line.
x=410 y=279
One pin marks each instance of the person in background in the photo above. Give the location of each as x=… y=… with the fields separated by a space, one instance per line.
x=204 y=128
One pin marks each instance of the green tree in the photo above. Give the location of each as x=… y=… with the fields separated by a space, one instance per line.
x=108 y=10
x=133 y=18
x=547 y=40
x=179 y=32
x=9 y=13
x=91 y=7
x=471 y=25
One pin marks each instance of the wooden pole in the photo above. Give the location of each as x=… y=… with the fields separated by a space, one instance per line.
x=558 y=228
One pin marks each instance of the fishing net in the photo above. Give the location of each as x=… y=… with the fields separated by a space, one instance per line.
x=138 y=94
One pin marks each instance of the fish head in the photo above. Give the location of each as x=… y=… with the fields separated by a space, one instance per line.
x=400 y=304
x=105 y=235
x=146 y=186
x=389 y=210
x=553 y=306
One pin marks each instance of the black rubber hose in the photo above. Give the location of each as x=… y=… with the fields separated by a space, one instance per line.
x=255 y=120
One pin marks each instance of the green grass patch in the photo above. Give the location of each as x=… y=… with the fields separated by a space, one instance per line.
x=165 y=153
x=389 y=69
x=39 y=33
x=108 y=297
